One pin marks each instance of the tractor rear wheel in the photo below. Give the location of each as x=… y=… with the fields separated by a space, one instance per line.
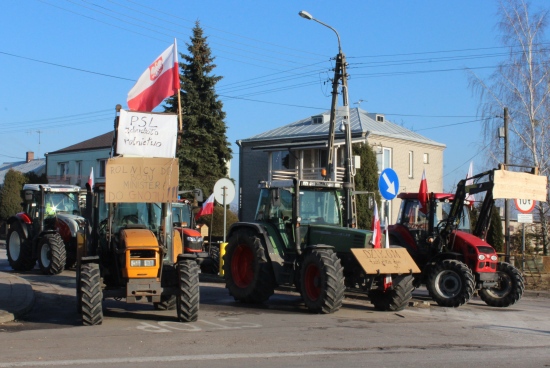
x=187 y=302
x=247 y=271
x=509 y=290
x=52 y=254
x=322 y=281
x=450 y=283
x=91 y=302
x=396 y=298
x=19 y=250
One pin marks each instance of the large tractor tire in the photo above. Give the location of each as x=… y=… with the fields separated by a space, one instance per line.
x=19 y=250
x=91 y=302
x=322 y=281
x=450 y=283
x=167 y=302
x=509 y=290
x=187 y=302
x=247 y=271
x=396 y=298
x=52 y=255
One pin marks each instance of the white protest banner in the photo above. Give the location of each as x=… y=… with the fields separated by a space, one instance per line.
x=147 y=134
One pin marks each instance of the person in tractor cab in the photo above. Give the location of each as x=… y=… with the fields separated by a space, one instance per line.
x=50 y=209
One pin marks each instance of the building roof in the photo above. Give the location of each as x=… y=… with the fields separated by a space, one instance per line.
x=361 y=123
x=37 y=166
x=101 y=141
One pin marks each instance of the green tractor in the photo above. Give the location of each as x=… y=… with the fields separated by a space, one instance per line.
x=299 y=238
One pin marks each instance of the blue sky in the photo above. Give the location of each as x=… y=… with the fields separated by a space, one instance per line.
x=66 y=64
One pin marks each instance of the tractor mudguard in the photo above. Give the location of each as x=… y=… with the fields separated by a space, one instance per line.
x=309 y=248
x=258 y=228
x=446 y=255
x=89 y=259
x=24 y=225
x=185 y=256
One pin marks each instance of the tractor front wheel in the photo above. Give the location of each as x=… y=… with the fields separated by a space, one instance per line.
x=450 y=283
x=91 y=302
x=247 y=271
x=509 y=290
x=52 y=255
x=322 y=281
x=396 y=298
x=19 y=250
x=187 y=302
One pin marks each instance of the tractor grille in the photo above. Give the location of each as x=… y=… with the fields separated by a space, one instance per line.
x=142 y=254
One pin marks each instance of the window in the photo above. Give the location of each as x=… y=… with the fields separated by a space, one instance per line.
x=102 y=168
x=426 y=158
x=63 y=170
x=280 y=160
x=380 y=118
x=411 y=160
x=383 y=159
x=78 y=172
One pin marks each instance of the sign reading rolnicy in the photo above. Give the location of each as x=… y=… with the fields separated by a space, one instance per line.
x=147 y=134
x=141 y=179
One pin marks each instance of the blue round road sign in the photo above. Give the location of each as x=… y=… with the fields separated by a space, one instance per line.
x=388 y=184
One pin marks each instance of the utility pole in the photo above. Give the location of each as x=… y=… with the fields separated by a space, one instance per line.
x=506 y=202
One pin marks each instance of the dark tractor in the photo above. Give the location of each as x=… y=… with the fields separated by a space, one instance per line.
x=299 y=238
x=47 y=230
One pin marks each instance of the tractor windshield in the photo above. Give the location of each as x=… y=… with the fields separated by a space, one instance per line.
x=146 y=214
x=61 y=203
x=411 y=216
x=319 y=207
x=181 y=213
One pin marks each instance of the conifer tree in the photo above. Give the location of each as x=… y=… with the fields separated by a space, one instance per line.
x=203 y=151
x=10 y=194
x=366 y=179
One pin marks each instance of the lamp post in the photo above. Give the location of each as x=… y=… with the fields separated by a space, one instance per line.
x=340 y=74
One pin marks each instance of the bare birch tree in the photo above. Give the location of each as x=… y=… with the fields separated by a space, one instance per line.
x=521 y=83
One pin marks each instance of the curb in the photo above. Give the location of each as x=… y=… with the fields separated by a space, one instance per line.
x=18 y=297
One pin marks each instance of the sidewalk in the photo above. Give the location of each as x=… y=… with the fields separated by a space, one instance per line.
x=16 y=294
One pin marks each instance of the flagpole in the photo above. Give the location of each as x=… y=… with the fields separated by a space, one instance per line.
x=180 y=132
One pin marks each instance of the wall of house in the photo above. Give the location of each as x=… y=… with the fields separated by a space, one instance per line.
x=87 y=159
x=400 y=164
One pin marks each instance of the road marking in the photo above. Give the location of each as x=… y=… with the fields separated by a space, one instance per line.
x=226 y=323
x=187 y=358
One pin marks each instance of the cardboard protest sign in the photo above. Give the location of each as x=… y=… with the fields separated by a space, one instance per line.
x=141 y=179
x=147 y=134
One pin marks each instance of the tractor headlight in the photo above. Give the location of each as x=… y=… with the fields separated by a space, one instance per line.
x=494 y=258
x=194 y=239
x=142 y=263
x=481 y=257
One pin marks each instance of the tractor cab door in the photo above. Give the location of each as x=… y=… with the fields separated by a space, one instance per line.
x=275 y=207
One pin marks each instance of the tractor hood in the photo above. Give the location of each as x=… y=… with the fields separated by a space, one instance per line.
x=68 y=224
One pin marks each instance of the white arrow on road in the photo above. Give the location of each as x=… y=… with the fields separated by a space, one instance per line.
x=390 y=184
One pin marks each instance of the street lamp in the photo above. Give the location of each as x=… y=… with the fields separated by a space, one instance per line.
x=340 y=74
x=306 y=15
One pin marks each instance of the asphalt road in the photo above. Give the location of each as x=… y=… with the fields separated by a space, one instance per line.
x=278 y=333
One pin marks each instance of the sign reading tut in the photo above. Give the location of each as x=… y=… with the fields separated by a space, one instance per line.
x=385 y=260
x=141 y=179
x=147 y=134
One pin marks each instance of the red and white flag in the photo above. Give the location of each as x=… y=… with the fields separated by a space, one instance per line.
x=376 y=232
x=423 y=194
x=207 y=207
x=90 y=182
x=388 y=282
x=470 y=197
x=159 y=81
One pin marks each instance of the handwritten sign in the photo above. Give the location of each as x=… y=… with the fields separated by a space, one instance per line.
x=147 y=134
x=385 y=260
x=141 y=180
x=512 y=185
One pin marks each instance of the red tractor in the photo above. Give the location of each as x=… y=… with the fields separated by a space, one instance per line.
x=193 y=241
x=47 y=230
x=455 y=259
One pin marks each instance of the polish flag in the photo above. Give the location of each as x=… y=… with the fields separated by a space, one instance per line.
x=470 y=197
x=423 y=194
x=159 y=81
x=376 y=232
x=90 y=182
x=207 y=207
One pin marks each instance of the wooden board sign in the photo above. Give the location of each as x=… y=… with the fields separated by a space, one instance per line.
x=141 y=180
x=521 y=185
x=385 y=260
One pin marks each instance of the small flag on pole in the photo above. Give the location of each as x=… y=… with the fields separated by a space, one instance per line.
x=470 y=197
x=90 y=183
x=423 y=194
x=159 y=81
x=207 y=207
x=387 y=279
x=376 y=232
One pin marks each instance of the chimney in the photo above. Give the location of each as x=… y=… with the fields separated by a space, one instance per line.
x=30 y=156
